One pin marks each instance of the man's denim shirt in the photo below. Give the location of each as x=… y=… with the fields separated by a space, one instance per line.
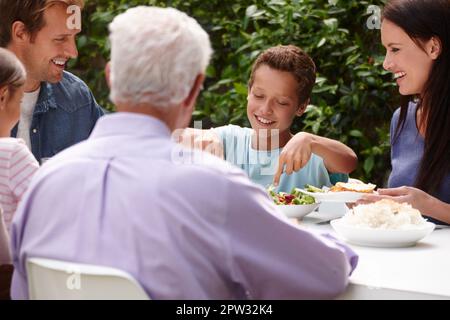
x=65 y=114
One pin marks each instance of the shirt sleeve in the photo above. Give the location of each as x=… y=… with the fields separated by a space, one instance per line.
x=235 y=148
x=23 y=166
x=222 y=132
x=275 y=259
x=338 y=177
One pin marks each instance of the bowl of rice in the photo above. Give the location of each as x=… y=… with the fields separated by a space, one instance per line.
x=383 y=224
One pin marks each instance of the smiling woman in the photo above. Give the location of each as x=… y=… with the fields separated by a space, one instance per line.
x=404 y=55
x=418 y=56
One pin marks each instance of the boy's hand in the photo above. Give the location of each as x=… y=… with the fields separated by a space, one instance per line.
x=295 y=155
x=209 y=142
x=205 y=140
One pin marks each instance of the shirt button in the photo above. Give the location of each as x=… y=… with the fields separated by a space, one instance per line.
x=34 y=130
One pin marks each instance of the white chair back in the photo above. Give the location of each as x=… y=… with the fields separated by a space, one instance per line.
x=57 y=280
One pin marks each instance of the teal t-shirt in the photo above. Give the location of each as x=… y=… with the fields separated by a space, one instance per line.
x=261 y=166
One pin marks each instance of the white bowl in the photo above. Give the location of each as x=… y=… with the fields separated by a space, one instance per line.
x=298 y=211
x=383 y=238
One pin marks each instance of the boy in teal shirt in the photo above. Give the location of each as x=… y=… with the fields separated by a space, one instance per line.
x=280 y=86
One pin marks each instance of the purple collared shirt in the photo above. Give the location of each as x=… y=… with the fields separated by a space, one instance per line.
x=190 y=227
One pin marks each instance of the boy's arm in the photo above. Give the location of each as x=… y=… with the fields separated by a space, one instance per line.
x=206 y=140
x=337 y=157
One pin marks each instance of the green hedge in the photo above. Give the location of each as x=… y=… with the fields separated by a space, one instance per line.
x=353 y=99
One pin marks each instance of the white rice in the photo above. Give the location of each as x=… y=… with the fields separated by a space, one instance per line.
x=385 y=214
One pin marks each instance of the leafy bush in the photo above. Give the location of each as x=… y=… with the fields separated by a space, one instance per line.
x=351 y=98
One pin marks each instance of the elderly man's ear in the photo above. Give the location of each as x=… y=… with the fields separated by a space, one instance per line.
x=108 y=74
x=195 y=90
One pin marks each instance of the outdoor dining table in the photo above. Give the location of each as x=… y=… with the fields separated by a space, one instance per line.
x=418 y=272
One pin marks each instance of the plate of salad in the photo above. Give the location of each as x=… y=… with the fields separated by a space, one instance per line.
x=295 y=204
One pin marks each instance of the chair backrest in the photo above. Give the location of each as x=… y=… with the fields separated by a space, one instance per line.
x=57 y=280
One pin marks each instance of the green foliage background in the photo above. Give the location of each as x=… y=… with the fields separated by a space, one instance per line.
x=353 y=99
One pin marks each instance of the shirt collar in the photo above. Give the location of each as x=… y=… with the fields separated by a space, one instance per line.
x=46 y=99
x=128 y=123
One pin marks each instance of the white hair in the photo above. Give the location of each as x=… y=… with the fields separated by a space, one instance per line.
x=156 y=55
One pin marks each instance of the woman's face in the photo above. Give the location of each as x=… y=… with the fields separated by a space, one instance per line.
x=410 y=64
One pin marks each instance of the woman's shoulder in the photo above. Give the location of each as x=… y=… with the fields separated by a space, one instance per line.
x=411 y=112
x=11 y=144
x=11 y=149
x=15 y=150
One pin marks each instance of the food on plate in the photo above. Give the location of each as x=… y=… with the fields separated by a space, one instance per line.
x=341 y=192
x=354 y=187
x=296 y=197
x=343 y=186
x=313 y=189
x=385 y=214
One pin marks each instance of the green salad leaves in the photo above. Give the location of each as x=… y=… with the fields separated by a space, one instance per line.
x=296 y=197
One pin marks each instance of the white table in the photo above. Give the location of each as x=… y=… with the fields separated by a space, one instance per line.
x=419 y=272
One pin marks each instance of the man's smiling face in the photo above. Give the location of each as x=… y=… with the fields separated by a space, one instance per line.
x=45 y=56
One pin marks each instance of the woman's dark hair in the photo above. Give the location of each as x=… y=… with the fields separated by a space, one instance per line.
x=422 y=20
x=12 y=72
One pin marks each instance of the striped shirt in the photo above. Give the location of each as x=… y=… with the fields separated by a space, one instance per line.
x=17 y=167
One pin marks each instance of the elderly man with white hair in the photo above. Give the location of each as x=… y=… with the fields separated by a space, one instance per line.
x=185 y=224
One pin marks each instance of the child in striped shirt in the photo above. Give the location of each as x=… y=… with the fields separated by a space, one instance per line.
x=17 y=164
